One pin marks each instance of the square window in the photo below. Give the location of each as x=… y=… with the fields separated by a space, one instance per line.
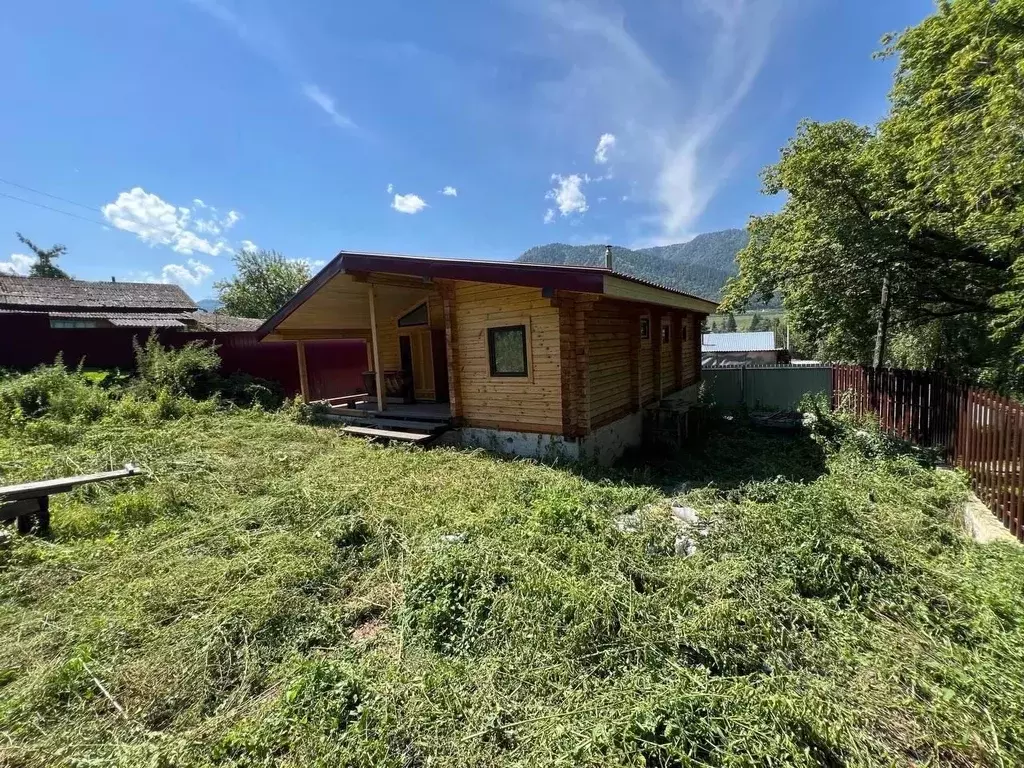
x=506 y=350
x=666 y=332
x=645 y=327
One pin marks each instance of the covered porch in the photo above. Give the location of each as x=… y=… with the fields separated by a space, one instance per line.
x=402 y=322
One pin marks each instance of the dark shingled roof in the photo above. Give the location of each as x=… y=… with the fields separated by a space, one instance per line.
x=218 y=323
x=52 y=293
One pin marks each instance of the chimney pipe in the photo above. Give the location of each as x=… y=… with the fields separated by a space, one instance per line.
x=113 y=279
x=609 y=260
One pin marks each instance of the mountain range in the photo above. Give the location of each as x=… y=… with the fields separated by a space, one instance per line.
x=701 y=266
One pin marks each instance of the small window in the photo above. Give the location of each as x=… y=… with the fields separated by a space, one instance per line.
x=506 y=348
x=666 y=333
x=645 y=327
x=685 y=328
x=414 y=317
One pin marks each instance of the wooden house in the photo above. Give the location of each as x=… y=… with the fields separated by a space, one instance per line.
x=523 y=358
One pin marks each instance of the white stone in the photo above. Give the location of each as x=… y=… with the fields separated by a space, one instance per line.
x=685 y=546
x=687 y=515
x=454 y=538
x=629 y=523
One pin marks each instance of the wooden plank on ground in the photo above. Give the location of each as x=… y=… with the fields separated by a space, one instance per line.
x=385 y=434
x=61 y=485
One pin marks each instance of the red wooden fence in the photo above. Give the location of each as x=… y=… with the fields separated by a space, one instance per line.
x=977 y=430
x=335 y=367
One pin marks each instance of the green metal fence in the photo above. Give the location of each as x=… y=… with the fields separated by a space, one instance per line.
x=767 y=387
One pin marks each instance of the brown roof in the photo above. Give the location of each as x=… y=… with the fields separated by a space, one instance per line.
x=583 y=279
x=216 y=322
x=41 y=293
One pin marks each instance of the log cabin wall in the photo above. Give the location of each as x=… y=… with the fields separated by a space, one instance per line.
x=529 y=404
x=618 y=384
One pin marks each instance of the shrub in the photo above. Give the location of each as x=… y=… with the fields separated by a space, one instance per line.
x=190 y=370
x=52 y=391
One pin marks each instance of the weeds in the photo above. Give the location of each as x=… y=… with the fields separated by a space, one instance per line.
x=277 y=594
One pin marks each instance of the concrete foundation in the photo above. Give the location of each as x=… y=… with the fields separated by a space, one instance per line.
x=529 y=444
x=605 y=445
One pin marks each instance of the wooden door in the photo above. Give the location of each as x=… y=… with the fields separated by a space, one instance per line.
x=417 y=342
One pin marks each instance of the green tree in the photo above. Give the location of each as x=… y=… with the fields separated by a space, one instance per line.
x=755 y=323
x=714 y=326
x=263 y=283
x=730 y=323
x=927 y=206
x=44 y=266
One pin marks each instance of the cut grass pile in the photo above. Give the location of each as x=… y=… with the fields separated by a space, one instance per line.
x=277 y=594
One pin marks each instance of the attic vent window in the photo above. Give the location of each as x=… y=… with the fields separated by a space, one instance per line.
x=414 y=317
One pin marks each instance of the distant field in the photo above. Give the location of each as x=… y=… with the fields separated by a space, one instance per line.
x=744 y=320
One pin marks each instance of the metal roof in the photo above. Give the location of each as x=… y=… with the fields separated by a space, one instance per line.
x=58 y=294
x=758 y=341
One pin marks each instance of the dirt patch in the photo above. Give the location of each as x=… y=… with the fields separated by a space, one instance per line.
x=368 y=630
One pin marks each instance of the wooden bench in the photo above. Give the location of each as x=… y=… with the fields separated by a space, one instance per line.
x=29 y=503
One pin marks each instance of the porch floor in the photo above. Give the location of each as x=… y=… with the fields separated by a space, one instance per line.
x=421 y=411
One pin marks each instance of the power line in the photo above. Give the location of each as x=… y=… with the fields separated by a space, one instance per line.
x=47 y=194
x=51 y=208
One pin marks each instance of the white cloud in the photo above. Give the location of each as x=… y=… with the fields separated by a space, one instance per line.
x=601 y=199
x=450 y=191
x=549 y=215
x=391 y=188
x=604 y=145
x=157 y=222
x=568 y=193
x=248 y=245
x=671 y=137
x=408 y=203
x=18 y=264
x=191 y=274
x=323 y=100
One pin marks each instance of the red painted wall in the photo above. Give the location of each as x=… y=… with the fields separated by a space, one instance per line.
x=335 y=367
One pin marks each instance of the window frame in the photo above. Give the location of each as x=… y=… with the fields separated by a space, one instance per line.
x=524 y=327
x=645 y=328
x=666 y=332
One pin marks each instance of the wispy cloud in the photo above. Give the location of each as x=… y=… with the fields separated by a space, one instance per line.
x=604 y=145
x=323 y=100
x=667 y=126
x=265 y=39
x=450 y=191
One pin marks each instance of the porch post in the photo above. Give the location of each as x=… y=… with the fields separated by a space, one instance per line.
x=378 y=375
x=300 y=348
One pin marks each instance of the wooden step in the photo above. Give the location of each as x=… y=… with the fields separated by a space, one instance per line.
x=386 y=434
x=370 y=421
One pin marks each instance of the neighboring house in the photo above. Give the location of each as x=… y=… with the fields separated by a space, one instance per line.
x=529 y=359
x=96 y=322
x=88 y=304
x=727 y=349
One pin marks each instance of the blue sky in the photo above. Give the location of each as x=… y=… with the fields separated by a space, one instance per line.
x=181 y=130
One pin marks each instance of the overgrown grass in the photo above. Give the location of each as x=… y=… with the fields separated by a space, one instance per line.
x=276 y=594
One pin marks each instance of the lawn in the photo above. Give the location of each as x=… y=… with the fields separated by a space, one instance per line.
x=272 y=593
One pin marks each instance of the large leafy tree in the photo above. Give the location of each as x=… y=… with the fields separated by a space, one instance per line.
x=263 y=283
x=928 y=206
x=44 y=266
